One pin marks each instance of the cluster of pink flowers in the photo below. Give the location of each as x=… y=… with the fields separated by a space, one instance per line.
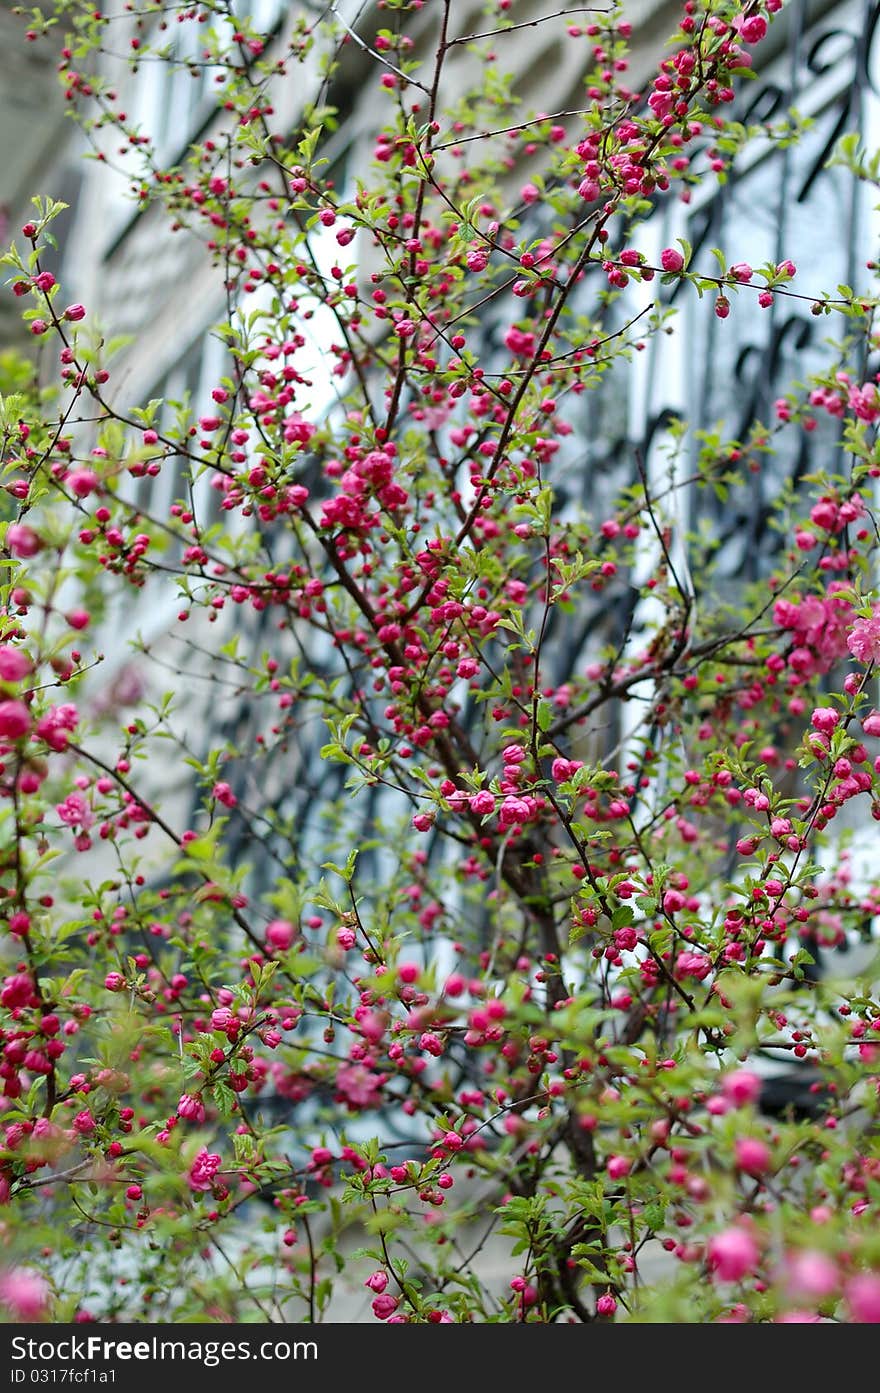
x=819 y=625
x=863 y=640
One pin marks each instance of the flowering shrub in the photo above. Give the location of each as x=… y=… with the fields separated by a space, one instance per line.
x=457 y=980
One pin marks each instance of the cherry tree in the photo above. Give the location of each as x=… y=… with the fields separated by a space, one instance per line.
x=515 y=837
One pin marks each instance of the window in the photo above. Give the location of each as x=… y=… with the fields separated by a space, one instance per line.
x=777 y=202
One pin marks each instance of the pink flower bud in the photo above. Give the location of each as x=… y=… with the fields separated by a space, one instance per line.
x=82 y=482
x=871 y=723
x=741 y=1087
x=190 y=1106
x=22 y=540
x=752 y=1156
x=752 y=30
x=14 y=664
x=280 y=933
x=671 y=259
x=74 y=313
x=825 y=718
x=384 y=1306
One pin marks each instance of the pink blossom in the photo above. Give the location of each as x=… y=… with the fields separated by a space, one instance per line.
x=482 y=802
x=18 y=990
x=741 y=1087
x=825 y=718
x=377 y=1282
x=14 y=664
x=865 y=402
x=53 y=727
x=15 y=720
x=691 y=964
x=25 y=1293
x=359 y=1086
x=752 y=1156
x=75 y=811
x=671 y=260
x=280 y=933
x=819 y=625
x=513 y=754
x=519 y=342
x=733 y=1254
x=224 y=794
x=660 y=103
x=82 y=482
x=863 y=1298
x=203 y=1169
x=384 y=1306
x=864 y=638
x=516 y=811
x=563 y=769
x=752 y=30
x=190 y=1106
x=810 y=1275
x=22 y=540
